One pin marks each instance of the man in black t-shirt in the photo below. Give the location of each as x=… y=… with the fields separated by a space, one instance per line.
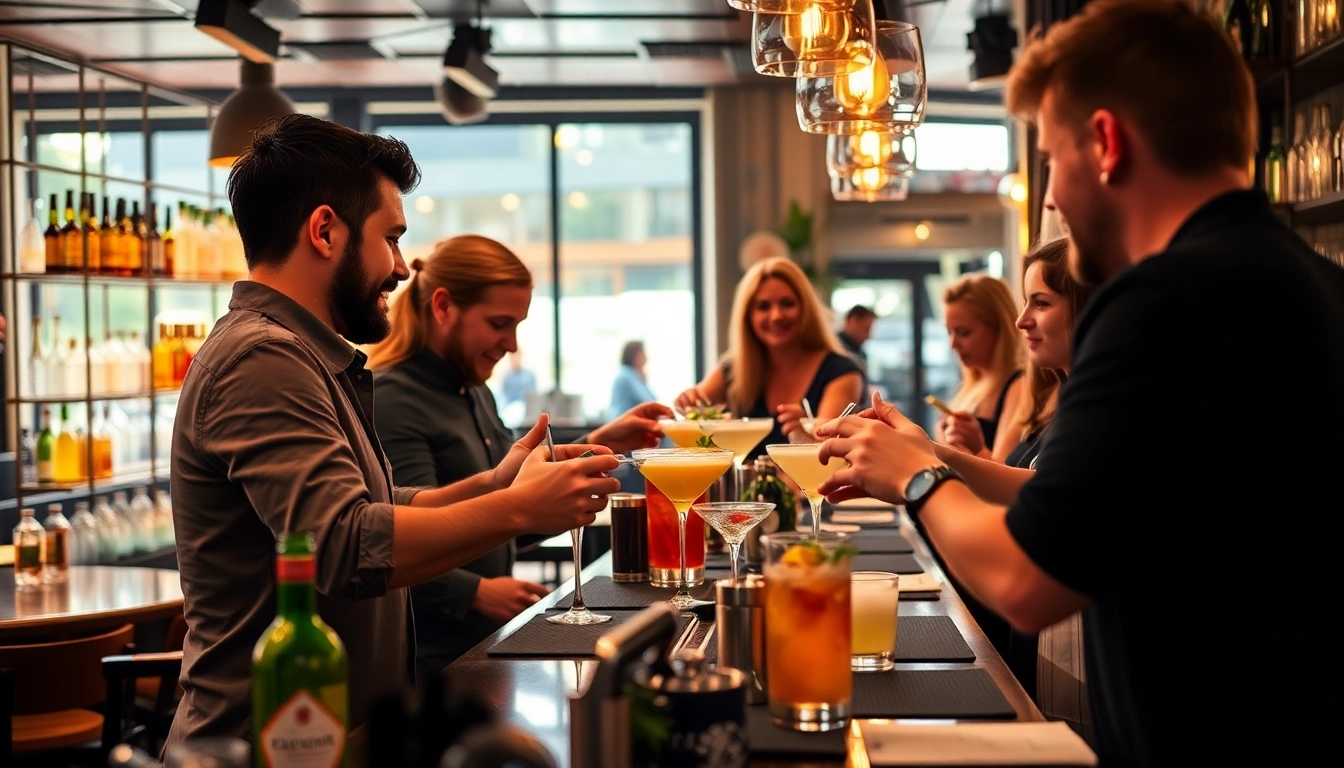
x=1174 y=504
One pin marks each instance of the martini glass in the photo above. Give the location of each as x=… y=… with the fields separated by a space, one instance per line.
x=739 y=436
x=732 y=519
x=682 y=474
x=802 y=462
x=684 y=432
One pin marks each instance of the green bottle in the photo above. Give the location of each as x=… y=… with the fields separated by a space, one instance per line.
x=300 y=694
x=46 y=450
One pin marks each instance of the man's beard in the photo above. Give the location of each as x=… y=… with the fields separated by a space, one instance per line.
x=1095 y=253
x=457 y=358
x=356 y=306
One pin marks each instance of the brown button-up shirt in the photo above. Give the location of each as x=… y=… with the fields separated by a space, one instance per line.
x=274 y=433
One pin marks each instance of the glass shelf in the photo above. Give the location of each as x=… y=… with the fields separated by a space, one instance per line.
x=120 y=479
x=58 y=399
x=158 y=280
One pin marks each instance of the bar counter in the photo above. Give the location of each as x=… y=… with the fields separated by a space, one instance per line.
x=533 y=693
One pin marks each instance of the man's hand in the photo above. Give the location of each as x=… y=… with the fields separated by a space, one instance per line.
x=883 y=448
x=504 y=597
x=636 y=428
x=559 y=496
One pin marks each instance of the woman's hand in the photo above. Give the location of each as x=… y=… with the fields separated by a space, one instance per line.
x=636 y=428
x=691 y=398
x=791 y=419
x=962 y=431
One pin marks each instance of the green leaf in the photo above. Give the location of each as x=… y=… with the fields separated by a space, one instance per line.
x=705 y=442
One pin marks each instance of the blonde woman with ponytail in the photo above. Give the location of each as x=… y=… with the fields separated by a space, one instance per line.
x=438 y=422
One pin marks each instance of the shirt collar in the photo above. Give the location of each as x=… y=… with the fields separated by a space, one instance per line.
x=1241 y=207
x=334 y=350
x=438 y=369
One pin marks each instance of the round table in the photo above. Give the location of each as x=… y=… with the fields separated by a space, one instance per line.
x=94 y=598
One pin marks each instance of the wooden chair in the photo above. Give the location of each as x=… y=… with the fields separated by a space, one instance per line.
x=125 y=722
x=55 y=687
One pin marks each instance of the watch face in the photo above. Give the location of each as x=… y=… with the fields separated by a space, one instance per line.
x=919 y=485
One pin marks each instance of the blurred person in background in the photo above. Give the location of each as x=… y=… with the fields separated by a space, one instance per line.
x=630 y=387
x=781 y=349
x=857 y=330
x=981 y=316
x=437 y=420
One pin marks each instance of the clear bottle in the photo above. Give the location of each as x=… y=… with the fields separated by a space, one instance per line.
x=142 y=519
x=130 y=539
x=1321 y=153
x=27 y=457
x=84 y=536
x=110 y=531
x=32 y=250
x=163 y=519
x=28 y=536
x=37 y=362
x=75 y=370
x=138 y=363
x=46 y=450
x=55 y=546
x=97 y=362
x=55 y=374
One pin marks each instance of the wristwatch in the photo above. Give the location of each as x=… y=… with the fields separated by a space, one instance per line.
x=924 y=483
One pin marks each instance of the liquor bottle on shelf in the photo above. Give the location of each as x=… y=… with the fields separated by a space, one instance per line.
x=55 y=362
x=1339 y=157
x=169 y=242
x=184 y=251
x=98 y=367
x=72 y=237
x=32 y=251
x=1264 y=30
x=163 y=359
x=67 y=450
x=299 y=670
x=51 y=239
x=84 y=445
x=138 y=247
x=1237 y=22
x=138 y=364
x=1275 y=175
x=1297 y=160
x=1321 y=153
x=37 y=362
x=113 y=256
x=27 y=457
x=46 y=450
x=93 y=238
x=28 y=535
x=163 y=519
x=208 y=265
x=84 y=536
x=154 y=243
x=55 y=546
x=102 y=445
x=129 y=543
x=74 y=369
x=182 y=353
x=110 y=531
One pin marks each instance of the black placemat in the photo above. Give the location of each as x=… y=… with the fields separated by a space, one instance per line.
x=539 y=638
x=601 y=592
x=766 y=738
x=881 y=540
x=930 y=638
x=887 y=562
x=938 y=693
x=923 y=595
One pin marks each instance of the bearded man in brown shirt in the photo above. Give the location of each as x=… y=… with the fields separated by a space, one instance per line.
x=274 y=433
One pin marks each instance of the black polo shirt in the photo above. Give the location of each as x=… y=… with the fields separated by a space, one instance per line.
x=1192 y=486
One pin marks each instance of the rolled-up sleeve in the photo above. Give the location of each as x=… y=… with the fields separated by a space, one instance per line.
x=287 y=447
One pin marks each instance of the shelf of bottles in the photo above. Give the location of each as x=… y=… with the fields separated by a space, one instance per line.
x=118 y=256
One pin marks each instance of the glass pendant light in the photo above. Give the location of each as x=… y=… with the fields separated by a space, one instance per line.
x=893 y=189
x=789 y=6
x=886 y=92
x=871 y=165
x=818 y=41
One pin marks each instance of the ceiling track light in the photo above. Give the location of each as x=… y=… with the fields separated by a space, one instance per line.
x=256 y=101
x=992 y=42
x=464 y=61
x=232 y=23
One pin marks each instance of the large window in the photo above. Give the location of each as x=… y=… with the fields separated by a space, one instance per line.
x=609 y=236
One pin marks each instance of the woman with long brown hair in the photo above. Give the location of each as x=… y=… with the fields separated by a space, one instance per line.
x=438 y=422
x=780 y=351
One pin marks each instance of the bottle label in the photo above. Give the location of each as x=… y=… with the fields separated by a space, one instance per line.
x=302 y=733
x=295 y=568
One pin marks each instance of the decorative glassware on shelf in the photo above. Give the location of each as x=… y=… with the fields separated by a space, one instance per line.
x=682 y=474
x=32 y=251
x=28 y=535
x=129 y=542
x=143 y=520
x=163 y=519
x=84 y=536
x=733 y=520
x=55 y=546
x=111 y=531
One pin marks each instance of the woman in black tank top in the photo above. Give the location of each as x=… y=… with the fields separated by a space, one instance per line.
x=980 y=313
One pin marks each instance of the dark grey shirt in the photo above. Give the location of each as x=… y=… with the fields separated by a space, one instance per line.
x=274 y=433
x=437 y=429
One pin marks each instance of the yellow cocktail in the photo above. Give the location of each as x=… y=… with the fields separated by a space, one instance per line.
x=684 y=433
x=682 y=474
x=803 y=464
x=737 y=435
x=807 y=630
x=874 y=602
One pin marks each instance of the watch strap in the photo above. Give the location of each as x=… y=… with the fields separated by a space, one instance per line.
x=941 y=474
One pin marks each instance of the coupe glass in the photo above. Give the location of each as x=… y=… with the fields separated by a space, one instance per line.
x=733 y=519
x=682 y=474
x=802 y=462
x=740 y=436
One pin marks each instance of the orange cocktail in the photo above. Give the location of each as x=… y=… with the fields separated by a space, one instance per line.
x=685 y=433
x=682 y=474
x=807 y=630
